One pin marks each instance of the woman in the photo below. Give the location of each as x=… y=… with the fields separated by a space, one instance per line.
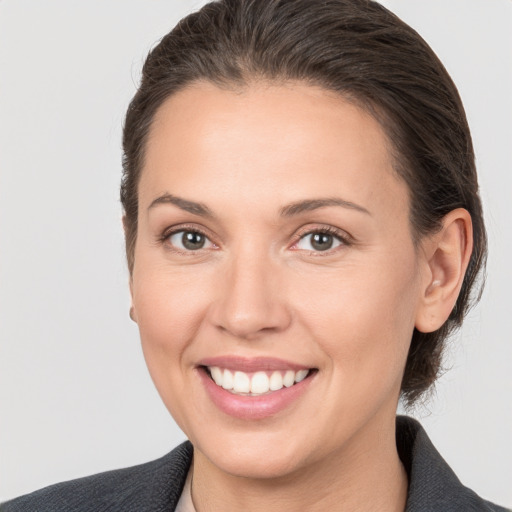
x=303 y=231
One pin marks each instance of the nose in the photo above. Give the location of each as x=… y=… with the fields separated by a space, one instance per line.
x=250 y=299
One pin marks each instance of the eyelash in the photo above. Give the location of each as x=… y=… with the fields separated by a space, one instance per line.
x=341 y=236
x=166 y=235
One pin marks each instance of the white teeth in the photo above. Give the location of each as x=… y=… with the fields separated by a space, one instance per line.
x=276 y=381
x=289 y=378
x=301 y=375
x=241 y=383
x=257 y=383
x=216 y=375
x=227 y=380
x=260 y=383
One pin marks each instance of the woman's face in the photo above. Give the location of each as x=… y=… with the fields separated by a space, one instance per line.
x=273 y=242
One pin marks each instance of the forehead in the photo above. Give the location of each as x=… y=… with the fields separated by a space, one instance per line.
x=266 y=138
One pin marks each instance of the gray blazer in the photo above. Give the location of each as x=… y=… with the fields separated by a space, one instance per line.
x=156 y=486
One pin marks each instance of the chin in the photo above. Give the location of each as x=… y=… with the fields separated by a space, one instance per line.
x=254 y=455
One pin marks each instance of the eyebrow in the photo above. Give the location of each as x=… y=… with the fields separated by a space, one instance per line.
x=289 y=210
x=184 y=204
x=314 y=204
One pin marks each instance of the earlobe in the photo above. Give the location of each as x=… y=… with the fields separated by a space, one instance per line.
x=132 y=313
x=447 y=255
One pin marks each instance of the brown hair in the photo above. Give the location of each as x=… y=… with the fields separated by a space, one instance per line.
x=368 y=55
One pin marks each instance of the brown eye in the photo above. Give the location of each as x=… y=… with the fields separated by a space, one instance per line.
x=319 y=241
x=189 y=240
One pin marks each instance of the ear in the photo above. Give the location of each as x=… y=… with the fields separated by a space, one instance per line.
x=447 y=255
x=132 y=313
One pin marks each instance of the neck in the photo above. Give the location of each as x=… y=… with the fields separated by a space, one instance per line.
x=367 y=475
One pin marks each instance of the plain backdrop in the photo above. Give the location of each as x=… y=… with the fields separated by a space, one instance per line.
x=75 y=395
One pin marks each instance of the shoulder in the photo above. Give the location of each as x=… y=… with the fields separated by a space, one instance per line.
x=433 y=486
x=148 y=487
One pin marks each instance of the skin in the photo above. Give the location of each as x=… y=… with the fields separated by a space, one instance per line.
x=259 y=288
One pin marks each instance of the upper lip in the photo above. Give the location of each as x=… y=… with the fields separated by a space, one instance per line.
x=252 y=364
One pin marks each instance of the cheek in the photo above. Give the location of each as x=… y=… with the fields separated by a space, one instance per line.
x=363 y=318
x=169 y=306
x=169 y=309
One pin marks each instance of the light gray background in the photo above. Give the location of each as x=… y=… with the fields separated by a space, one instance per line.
x=75 y=396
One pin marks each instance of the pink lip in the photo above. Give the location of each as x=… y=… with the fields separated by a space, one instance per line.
x=253 y=364
x=252 y=407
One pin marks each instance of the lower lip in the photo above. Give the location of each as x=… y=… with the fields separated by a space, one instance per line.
x=253 y=407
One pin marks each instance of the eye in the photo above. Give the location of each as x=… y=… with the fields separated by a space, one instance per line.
x=319 y=241
x=189 y=240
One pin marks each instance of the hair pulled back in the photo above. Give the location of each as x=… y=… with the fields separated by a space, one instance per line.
x=368 y=55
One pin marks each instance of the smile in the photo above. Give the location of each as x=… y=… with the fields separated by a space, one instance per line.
x=254 y=389
x=255 y=383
